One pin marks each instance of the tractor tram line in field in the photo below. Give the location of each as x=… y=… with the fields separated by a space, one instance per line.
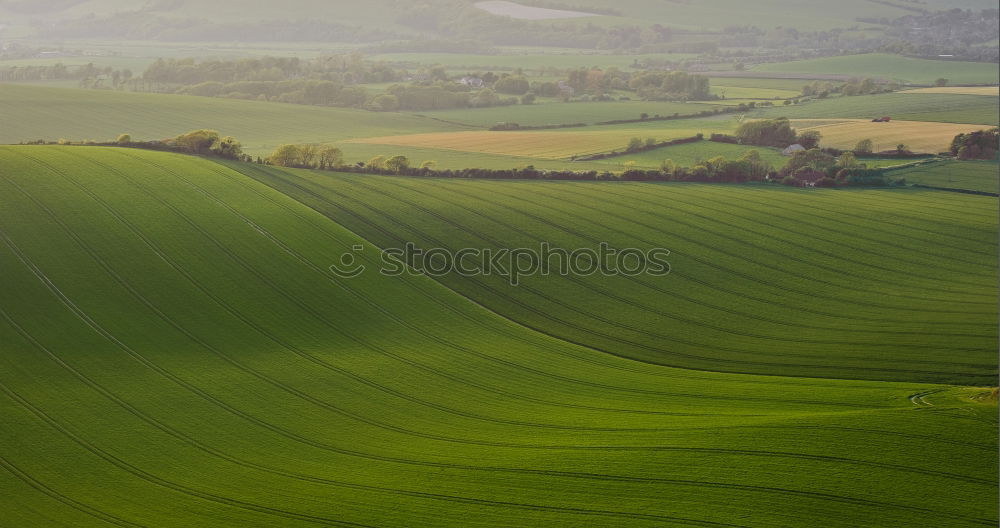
x=214 y=206
x=756 y=316
x=542 y=314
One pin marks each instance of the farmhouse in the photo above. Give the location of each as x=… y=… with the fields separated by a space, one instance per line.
x=809 y=178
x=792 y=149
x=472 y=82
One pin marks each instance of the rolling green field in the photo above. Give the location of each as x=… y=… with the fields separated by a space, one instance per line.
x=944 y=108
x=31 y=113
x=793 y=86
x=566 y=113
x=892 y=67
x=746 y=278
x=717 y=14
x=177 y=353
x=969 y=175
x=811 y=15
x=688 y=154
x=529 y=60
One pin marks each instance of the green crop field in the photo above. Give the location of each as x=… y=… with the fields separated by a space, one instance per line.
x=944 y=108
x=743 y=92
x=970 y=175
x=718 y=14
x=743 y=302
x=528 y=60
x=792 y=86
x=31 y=113
x=892 y=67
x=177 y=353
x=687 y=155
x=566 y=113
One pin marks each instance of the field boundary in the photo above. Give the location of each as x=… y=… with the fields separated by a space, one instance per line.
x=952 y=189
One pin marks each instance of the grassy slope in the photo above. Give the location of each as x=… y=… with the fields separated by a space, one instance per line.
x=988 y=91
x=52 y=113
x=717 y=14
x=810 y=15
x=176 y=354
x=794 y=86
x=895 y=67
x=530 y=61
x=971 y=175
x=689 y=154
x=945 y=108
x=765 y=280
x=566 y=113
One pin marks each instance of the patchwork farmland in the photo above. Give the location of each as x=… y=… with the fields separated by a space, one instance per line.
x=499 y=264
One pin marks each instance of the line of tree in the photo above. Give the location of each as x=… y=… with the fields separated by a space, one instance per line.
x=812 y=167
x=671 y=86
x=202 y=142
x=307 y=156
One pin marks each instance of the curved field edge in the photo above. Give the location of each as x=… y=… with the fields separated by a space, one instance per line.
x=175 y=354
x=764 y=280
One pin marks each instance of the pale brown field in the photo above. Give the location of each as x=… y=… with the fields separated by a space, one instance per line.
x=958 y=90
x=919 y=136
x=534 y=144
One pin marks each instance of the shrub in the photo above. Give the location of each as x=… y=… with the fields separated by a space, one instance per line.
x=397 y=164
x=197 y=141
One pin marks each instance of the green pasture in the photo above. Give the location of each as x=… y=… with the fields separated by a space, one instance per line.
x=32 y=113
x=566 y=113
x=176 y=352
x=970 y=175
x=530 y=60
x=811 y=15
x=766 y=279
x=784 y=85
x=944 y=108
x=688 y=155
x=892 y=67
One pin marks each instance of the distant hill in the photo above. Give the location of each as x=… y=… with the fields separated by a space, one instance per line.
x=377 y=20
